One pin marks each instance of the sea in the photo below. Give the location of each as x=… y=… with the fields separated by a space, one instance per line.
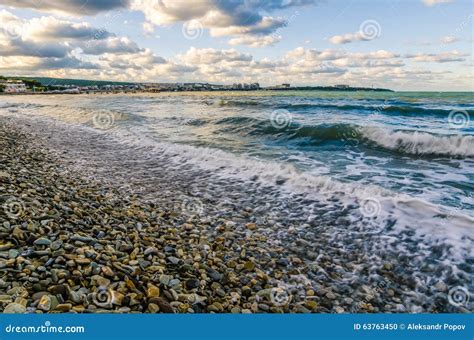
x=389 y=173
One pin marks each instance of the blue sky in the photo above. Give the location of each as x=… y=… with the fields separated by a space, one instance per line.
x=409 y=45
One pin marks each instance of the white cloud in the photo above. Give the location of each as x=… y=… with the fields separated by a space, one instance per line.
x=449 y=40
x=116 y=45
x=148 y=28
x=51 y=28
x=443 y=57
x=435 y=2
x=51 y=43
x=346 y=38
x=255 y=41
x=209 y=56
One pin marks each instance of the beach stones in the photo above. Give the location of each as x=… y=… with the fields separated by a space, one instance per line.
x=214 y=275
x=14 y=308
x=63 y=307
x=163 y=305
x=116 y=298
x=153 y=308
x=47 y=302
x=152 y=291
x=192 y=284
x=107 y=271
x=42 y=241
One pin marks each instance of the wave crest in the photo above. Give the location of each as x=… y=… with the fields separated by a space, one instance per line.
x=421 y=143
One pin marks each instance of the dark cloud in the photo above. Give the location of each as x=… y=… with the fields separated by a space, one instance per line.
x=67 y=62
x=48 y=28
x=111 y=45
x=75 y=7
x=19 y=47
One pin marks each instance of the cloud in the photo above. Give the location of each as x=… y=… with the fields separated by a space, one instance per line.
x=19 y=47
x=255 y=41
x=369 y=30
x=210 y=56
x=346 y=38
x=32 y=63
x=449 y=40
x=265 y=26
x=142 y=60
x=444 y=57
x=435 y=2
x=117 y=45
x=51 y=28
x=239 y=19
x=52 y=43
x=72 y=7
x=148 y=28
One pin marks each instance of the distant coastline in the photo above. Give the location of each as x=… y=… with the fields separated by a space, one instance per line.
x=43 y=85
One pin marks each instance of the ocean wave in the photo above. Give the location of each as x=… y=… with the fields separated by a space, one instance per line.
x=382 y=107
x=420 y=143
x=403 y=142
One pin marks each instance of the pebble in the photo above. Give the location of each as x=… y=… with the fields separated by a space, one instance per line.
x=441 y=286
x=153 y=308
x=64 y=307
x=14 y=308
x=153 y=291
x=42 y=241
x=192 y=284
x=108 y=271
x=251 y=226
x=249 y=265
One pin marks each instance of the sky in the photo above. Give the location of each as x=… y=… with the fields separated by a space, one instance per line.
x=415 y=45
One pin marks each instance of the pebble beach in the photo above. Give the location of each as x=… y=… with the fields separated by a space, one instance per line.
x=73 y=246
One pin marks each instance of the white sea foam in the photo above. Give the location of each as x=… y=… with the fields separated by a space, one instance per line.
x=420 y=143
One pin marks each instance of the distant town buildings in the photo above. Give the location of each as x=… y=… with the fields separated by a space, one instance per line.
x=156 y=87
x=280 y=87
x=13 y=86
x=16 y=86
